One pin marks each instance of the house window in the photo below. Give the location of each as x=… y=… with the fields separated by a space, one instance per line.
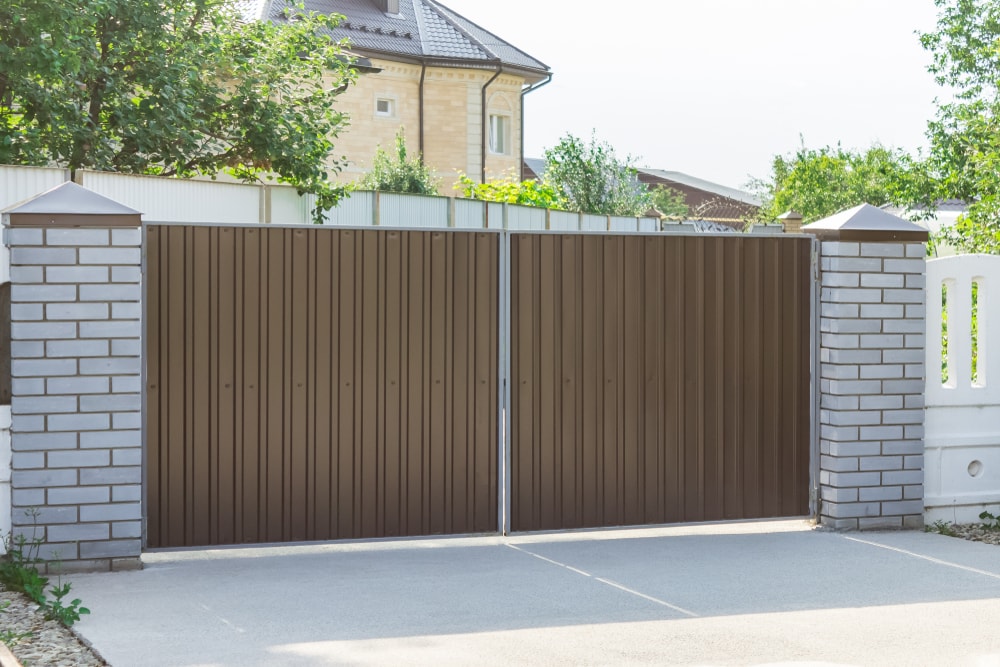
x=500 y=134
x=385 y=106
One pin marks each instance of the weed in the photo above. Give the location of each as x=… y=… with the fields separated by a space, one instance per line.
x=941 y=528
x=990 y=522
x=55 y=610
x=19 y=571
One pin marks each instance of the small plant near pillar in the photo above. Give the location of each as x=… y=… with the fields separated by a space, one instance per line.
x=990 y=521
x=19 y=571
x=940 y=527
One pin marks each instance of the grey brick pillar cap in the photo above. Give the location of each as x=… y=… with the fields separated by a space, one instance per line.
x=868 y=224
x=70 y=205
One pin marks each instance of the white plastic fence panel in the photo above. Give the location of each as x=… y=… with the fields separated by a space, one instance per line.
x=396 y=210
x=564 y=221
x=962 y=416
x=5 y=469
x=621 y=224
x=470 y=214
x=525 y=218
x=958 y=274
x=178 y=200
x=495 y=215
x=20 y=183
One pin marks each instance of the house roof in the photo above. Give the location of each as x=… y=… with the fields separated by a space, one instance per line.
x=701 y=184
x=423 y=30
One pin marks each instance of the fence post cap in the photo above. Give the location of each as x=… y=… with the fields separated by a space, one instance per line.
x=70 y=205
x=790 y=214
x=866 y=223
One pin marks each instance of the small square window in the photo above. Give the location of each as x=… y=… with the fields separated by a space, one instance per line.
x=499 y=134
x=385 y=106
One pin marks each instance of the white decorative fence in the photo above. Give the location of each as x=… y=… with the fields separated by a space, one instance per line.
x=962 y=421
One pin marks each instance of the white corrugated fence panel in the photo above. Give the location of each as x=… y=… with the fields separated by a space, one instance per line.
x=494 y=215
x=525 y=218
x=621 y=224
x=357 y=209
x=396 y=210
x=178 y=200
x=564 y=221
x=649 y=224
x=470 y=214
x=288 y=207
x=20 y=183
x=594 y=223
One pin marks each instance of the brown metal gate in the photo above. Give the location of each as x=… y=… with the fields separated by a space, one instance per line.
x=313 y=384
x=658 y=379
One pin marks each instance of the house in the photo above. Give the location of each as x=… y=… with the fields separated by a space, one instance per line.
x=456 y=88
x=705 y=200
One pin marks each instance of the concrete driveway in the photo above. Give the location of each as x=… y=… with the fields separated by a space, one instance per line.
x=750 y=593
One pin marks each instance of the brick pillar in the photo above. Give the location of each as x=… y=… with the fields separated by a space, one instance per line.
x=76 y=367
x=871 y=370
x=791 y=221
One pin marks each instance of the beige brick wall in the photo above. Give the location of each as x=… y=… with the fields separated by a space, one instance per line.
x=452 y=119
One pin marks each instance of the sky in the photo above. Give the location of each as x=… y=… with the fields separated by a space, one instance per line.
x=716 y=88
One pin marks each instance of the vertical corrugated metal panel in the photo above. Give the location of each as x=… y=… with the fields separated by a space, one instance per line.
x=470 y=214
x=19 y=183
x=355 y=210
x=564 y=221
x=658 y=379
x=621 y=224
x=495 y=215
x=314 y=384
x=177 y=199
x=288 y=207
x=649 y=224
x=525 y=218
x=396 y=210
x=594 y=223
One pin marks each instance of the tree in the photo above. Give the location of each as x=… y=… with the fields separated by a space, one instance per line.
x=592 y=179
x=511 y=191
x=669 y=202
x=819 y=183
x=171 y=87
x=965 y=135
x=398 y=172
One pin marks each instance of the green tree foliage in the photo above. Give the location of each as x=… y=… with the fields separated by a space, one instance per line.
x=819 y=183
x=965 y=135
x=592 y=179
x=399 y=172
x=171 y=87
x=509 y=190
x=669 y=202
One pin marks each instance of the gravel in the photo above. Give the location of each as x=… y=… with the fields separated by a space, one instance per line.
x=50 y=644
x=976 y=532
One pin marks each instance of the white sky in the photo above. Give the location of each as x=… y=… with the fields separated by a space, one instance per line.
x=715 y=88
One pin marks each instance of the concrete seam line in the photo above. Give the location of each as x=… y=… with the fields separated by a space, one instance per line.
x=931 y=559
x=607 y=582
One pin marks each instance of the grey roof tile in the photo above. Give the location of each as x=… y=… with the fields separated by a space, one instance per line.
x=423 y=28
